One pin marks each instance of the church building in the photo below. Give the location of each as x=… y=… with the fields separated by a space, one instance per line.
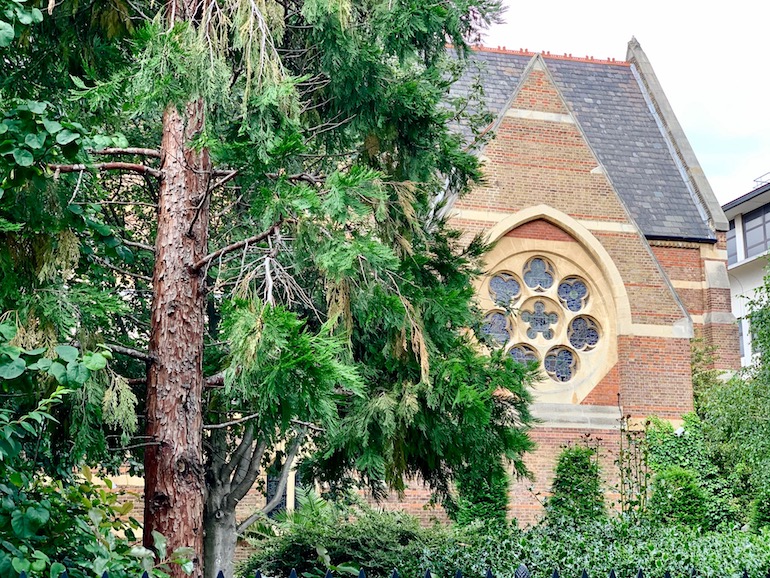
x=609 y=246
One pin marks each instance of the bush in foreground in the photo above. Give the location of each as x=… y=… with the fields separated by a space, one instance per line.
x=378 y=542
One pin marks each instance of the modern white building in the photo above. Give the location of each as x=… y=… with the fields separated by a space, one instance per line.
x=748 y=247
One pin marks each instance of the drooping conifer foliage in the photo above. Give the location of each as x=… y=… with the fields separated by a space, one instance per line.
x=238 y=199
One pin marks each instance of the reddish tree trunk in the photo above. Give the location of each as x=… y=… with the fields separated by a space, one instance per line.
x=174 y=468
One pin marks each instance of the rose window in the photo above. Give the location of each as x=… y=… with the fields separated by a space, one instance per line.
x=539 y=321
x=543 y=320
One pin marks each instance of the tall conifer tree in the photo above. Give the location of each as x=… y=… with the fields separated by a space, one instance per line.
x=260 y=181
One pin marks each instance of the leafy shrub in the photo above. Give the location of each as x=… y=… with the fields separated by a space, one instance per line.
x=576 y=494
x=319 y=535
x=382 y=541
x=482 y=496
x=710 y=490
x=677 y=498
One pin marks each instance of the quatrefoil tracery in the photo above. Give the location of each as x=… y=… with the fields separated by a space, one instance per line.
x=556 y=316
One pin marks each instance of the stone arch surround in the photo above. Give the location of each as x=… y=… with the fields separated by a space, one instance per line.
x=542 y=238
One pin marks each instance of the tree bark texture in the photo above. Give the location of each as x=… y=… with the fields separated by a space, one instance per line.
x=221 y=537
x=174 y=468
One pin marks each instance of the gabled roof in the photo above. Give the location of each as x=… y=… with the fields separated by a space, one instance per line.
x=638 y=142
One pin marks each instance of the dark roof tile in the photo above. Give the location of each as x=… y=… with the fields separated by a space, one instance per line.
x=609 y=105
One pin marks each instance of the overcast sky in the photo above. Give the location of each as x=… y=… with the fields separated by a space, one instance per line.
x=713 y=61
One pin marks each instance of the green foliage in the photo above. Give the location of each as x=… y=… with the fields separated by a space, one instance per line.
x=383 y=541
x=350 y=320
x=685 y=468
x=16 y=15
x=482 y=495
x=576 y=493
x=319 y=534
x=677 y=498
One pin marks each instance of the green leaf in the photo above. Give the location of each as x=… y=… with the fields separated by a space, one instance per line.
x=141 y=552
x=42 y=364
x=37 y=16
x=35 y=141
x=75 y=209
x=57 y=569
x=67 y=352
x=12 y=369
x=101 y=141
x=59 y=372
x=66 y=136
x=52 y=126
x=125 y=253
x=159 y=541
x=94 y=361
x=8 y=227
x=6 y=34
x=26 y=524
x=36 y=107
x=77 y=373
x=20 y=564
x=23 y=157
x=8 y=331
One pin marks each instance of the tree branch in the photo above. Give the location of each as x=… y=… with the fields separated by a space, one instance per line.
x=243 y=485
x=235 y=246
x=128 y=151
x=119 y=270
x=306 y=177
x=215 y=380
x=118 y=166
x=237 y=457
x=224 y=180
x=131 y=352
x=233 y=422
x=144 y=246
x=282 y=481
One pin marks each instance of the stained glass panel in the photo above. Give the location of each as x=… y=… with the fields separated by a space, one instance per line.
x=583 y=333
x=504 y=289
x=573 y=293
x=539 y=321
x=495 y=327
x=538 y=274
x=560 y=363
x=523 y=353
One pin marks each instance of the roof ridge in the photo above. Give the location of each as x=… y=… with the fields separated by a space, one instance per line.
x=547 y=54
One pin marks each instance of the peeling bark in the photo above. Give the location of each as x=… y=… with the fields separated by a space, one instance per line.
x=174 y=469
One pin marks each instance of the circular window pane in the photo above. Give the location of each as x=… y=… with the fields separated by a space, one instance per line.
x=560 y=363
x=573 y=293
x=495 y=328
x=538 y=274
x=504 y=289
x=524 y=354
x=583 y=333
x=539 y=320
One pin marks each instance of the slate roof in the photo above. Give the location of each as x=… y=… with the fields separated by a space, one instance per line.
x=610 y=106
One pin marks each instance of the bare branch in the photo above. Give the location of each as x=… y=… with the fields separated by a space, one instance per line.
x=117 y=166
x=131 y=352
x=243 y=483
x=128 y=151
x=282 y=481
x=233 y=422
x=235 y=246
x=237 y=459
x=143 y=246
x=224 y=180
x=119 y=270
x=306 y=177
x=137 y=203
x=215 y=380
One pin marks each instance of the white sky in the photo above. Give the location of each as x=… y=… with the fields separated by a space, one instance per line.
x=712 y=59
